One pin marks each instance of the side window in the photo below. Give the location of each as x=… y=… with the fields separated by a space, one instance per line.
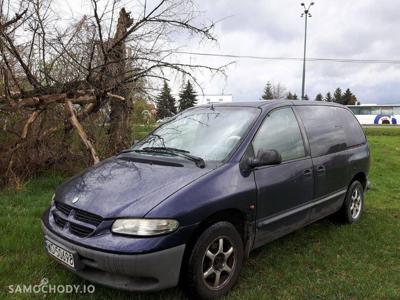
x=325 y=129
x=355 y=134
x=355 y=110
x=387 y=110
x=280 y=131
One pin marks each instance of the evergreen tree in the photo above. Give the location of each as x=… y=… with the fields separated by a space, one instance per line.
x=165 y=103
x=306 y=97
x=318 y=97
x=348 y=98
x=328 y=97
x=187 y=97
x=289 y=96
x=337 y=95
x=295 y=96
x=268 y=92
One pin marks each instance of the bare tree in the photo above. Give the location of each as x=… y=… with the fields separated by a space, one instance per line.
x=55 y=79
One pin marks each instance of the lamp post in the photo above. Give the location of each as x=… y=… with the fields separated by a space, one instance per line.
x=306 y=14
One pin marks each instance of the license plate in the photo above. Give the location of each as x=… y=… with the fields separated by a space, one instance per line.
x=60 y=253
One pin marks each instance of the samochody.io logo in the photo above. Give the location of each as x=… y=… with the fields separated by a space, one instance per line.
x=44 y=287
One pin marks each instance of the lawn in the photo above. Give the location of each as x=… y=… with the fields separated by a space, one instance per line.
x=325 y=260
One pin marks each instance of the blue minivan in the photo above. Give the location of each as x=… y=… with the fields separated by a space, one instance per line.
x=190 y=201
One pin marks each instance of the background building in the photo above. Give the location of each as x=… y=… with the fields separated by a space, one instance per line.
x=205 y=99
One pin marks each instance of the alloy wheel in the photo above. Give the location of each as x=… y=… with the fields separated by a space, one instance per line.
x=219 y=263
x=356 y=203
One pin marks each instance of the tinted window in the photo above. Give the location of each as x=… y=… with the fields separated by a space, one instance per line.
x=280 y=131
x=370 y=110
x=354 y=133
x=355 y=110
x=325 y=130
x=387 y=110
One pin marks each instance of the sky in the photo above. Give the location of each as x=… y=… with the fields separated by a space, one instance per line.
x=356 y=29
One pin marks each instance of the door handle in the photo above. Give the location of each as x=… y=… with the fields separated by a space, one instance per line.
x=307 y=172
x=320 y=169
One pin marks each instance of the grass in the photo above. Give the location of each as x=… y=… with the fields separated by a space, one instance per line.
x=322 y=261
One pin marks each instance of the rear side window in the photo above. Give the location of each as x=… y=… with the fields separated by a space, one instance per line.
x=325 y=129
x=280 y=131
x=354 y=133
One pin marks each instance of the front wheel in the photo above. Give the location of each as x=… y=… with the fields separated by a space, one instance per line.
x=353 y=205
x=215 y=262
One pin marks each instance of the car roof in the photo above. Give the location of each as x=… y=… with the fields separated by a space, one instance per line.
x=270 y=103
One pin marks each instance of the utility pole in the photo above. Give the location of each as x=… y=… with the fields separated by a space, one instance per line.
x=305 y=14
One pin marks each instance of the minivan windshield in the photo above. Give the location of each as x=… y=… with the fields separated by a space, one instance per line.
x=209 y=133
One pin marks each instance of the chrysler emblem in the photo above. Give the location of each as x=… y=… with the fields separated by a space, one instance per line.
x=76 y=199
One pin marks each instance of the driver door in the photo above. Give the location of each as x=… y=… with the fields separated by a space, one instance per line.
x=284 y=190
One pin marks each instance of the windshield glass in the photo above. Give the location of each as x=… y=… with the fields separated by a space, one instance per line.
x=209 y=133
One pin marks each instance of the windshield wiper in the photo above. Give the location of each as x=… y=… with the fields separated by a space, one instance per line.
x=166 y=148
x=178 y=152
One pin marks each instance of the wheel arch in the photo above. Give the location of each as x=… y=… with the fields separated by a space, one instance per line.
x=235 y=216
x=361 y=177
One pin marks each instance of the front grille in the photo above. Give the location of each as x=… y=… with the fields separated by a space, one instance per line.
x=64 y=214
x=79 y=230
x=64 y=208
x=59 y=221
x=86 y=217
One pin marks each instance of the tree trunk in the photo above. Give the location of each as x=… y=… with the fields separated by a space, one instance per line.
x=119 y=115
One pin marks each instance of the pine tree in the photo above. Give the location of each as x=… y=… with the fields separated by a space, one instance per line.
x=289 y=96
x=319 y=97
x=187 y=97
x=268 y=92
x=348 y=98
x=295 y=96
x=337 y=95
x=165 y=103
x=328 y=97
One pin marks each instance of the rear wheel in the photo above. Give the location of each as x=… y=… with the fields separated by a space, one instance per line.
x=215 y=262
x=353 y=205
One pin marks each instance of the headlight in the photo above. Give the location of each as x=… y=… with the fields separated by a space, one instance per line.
x=52 y=200
x=144 y=227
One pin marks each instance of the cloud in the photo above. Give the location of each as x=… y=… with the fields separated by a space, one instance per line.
x=359 y=29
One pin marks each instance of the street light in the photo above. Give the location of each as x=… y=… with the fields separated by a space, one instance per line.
x=305 y=14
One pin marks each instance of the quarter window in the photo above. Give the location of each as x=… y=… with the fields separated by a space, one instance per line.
x=324 y=127
x=280 y=131
x=354 y=133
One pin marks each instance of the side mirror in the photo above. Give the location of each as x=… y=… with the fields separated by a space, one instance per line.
x=265 y=158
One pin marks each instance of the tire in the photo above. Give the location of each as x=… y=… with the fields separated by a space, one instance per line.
x=353 y=205
x=208 y=259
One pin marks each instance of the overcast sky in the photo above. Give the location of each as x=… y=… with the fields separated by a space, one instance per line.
x=359 y=29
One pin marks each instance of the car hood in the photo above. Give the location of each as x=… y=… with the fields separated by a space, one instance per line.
x=120 y=187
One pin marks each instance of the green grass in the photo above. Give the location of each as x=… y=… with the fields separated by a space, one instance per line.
x=322 y=261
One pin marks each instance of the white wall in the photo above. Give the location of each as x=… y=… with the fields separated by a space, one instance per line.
x=205 y=99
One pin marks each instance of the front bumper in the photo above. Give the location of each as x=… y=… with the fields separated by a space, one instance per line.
x=134 y=272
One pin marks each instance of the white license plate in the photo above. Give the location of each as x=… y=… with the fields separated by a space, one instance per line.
x=61 y=254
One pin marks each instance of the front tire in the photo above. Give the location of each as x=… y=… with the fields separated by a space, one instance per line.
x=215 y=262
x=353 y=205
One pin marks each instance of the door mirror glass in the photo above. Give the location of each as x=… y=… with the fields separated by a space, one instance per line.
x=265 y=158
